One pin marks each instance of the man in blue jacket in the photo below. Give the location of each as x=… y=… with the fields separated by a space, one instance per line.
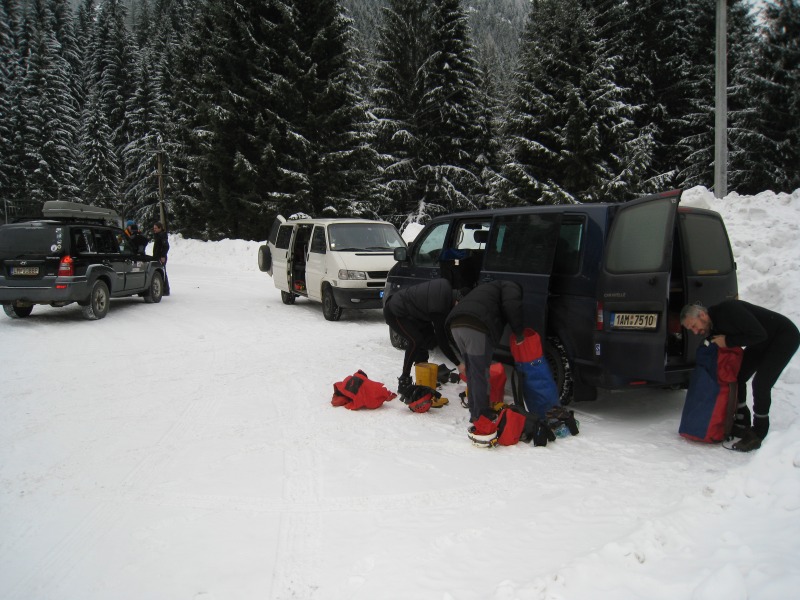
x=418 y=313
x=769 y=340
x=476 y=324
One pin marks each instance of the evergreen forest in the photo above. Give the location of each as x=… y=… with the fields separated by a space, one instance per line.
x=230 y=112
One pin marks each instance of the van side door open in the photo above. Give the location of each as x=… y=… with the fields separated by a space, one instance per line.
x=634 y=287
x=281 y=259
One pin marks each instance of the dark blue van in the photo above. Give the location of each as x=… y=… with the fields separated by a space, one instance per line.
x=604 y=283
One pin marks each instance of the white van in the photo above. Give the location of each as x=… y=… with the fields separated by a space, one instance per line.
x=342 y=263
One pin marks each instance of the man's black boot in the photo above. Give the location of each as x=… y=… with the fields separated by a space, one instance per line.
x=404 y=385
x=761 y=425
x=741 y=421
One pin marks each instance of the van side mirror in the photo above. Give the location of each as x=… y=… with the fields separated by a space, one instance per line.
x=401 y=254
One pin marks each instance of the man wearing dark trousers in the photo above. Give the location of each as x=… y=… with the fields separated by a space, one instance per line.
x=418 y=313
x=770 y=341
x=477 y=325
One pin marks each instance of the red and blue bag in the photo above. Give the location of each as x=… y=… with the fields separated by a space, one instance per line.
x=711 y=398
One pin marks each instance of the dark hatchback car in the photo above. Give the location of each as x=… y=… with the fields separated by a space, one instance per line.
x=603 y=283
x=76 y=253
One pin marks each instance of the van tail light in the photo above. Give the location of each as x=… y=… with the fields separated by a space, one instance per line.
x=599 y=317
x=66 y=268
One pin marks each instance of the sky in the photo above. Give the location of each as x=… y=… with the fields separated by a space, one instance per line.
x=189 y=450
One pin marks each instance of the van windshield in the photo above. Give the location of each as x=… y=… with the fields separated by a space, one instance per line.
x=371 y=237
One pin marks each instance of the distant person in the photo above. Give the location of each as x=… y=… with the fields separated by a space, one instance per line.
x=769 y=340
x=160 y=250
x=137 y=240
x=476 y=324
x=418 y=313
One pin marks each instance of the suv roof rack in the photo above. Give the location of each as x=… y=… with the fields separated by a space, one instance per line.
x=60 y=209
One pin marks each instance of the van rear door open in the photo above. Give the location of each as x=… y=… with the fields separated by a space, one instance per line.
x=633 y=288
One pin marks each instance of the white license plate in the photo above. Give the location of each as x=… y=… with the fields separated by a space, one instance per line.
x=24 y=270
x=634 y=320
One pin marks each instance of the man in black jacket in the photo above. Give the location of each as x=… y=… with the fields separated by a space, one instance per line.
x=160 y=250
x=418 y=313
x=476 y=324
x=770 y=340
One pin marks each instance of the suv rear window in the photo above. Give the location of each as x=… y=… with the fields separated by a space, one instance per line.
x=523 y=243
x=706 y=243
x=30 y=241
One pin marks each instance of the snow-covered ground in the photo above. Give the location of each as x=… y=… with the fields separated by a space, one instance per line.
x=188 y=450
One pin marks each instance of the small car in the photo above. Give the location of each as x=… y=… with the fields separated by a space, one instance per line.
x=75 y=253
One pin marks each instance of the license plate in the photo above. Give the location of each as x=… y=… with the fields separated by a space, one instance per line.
x=634 y=320
x=24 y=270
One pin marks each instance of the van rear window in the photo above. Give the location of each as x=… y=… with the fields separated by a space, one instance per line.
x=639 y=238
x=523 y=243
x=708 y=251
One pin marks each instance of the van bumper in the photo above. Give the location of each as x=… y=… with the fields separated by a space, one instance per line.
x=359 y=297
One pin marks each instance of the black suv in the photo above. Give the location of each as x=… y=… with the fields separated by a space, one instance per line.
x=75 y=253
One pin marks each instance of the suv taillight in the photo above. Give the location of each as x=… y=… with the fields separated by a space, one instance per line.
x=66 y=268
x=599 y=317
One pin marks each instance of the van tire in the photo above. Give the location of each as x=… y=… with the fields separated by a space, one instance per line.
x=288 y=297
x=264 y=259
x=330 y=309
x=561 y=368
x=398 y=341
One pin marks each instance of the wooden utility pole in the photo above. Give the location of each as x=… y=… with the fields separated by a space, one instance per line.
x=161 y=210
x=721 y=114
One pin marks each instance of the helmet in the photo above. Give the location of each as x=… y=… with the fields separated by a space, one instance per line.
x=419 y=398
x=130 y=223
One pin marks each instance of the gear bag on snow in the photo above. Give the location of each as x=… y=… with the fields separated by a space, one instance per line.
x=358 y=391
x=539 y=390
x=711 y=398
x=497 y=386
x=513 y=424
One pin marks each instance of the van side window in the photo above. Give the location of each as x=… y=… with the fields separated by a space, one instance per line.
x=523 y=243
x=427 y=251
x=639 y=238
x=568 y=248
x=318 y=240
x=706 y=243
x=284 y=236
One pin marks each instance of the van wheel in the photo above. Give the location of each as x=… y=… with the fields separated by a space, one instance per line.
x=330 y=309
x=17 y=312
x=560 y=366
x=264 y=259
x=99 y=301
x=288 y=297
x=398 y=341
